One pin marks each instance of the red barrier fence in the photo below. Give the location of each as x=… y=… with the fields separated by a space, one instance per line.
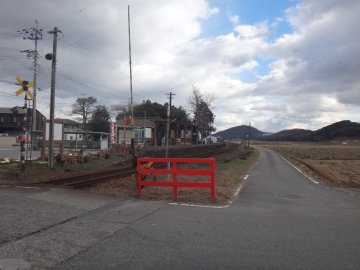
x=143 y=170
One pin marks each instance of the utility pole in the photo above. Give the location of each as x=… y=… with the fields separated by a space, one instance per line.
x=168 y=123
x=170 y=97
x=144 y=127
x=249 y=135
x=168 y=130
x=33 y=33
x=52 y=56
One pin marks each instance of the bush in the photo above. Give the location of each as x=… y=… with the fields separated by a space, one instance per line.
x=172 y=141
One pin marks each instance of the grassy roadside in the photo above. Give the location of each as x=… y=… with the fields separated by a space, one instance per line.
x=230 y=174
x=236 y=168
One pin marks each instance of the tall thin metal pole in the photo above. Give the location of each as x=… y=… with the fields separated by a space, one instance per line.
x=131 y=94
x=52 y=96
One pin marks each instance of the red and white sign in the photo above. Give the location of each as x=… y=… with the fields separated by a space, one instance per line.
x=112 y=132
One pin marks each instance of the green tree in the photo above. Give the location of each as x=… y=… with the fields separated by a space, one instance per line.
x=100 y=120
x=84 y=107
x=152 y=109
x=181 y=115
x=120 y=111
x=155 y=109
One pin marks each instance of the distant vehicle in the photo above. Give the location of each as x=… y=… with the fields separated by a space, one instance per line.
x=4 y=135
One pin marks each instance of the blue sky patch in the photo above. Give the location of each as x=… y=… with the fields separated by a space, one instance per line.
x=249 y=12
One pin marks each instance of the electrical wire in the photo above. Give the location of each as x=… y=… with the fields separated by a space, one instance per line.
x=11 y=35
x=120 y=22
x=68 y=77
x=77 y=12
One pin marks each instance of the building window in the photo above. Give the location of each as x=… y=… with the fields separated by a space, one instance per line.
x=71 y=137
x=2 y=119
x=80 y=136
x=14 y=119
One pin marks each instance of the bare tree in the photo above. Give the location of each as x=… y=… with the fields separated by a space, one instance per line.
x=200 y=106
x=84 y=107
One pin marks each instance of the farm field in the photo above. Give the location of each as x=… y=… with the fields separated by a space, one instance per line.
x=334 y=162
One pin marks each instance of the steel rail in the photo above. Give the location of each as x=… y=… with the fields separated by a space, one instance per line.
x=86 y=180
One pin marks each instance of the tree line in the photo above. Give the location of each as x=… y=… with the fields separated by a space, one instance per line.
x=97 y=117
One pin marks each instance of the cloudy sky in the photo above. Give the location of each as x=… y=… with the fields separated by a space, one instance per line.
x=277 y=64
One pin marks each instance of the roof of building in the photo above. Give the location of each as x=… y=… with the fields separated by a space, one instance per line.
x=12 y=110
x=68 y=121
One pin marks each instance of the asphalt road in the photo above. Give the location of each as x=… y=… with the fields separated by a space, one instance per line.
x=13 y=152
x=281 y=220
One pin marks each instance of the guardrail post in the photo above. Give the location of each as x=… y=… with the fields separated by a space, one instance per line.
x=174 y=180
x=212 y=168
x=138 y=177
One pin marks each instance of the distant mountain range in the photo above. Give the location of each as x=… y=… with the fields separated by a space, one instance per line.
x=342 y=129
x=240 y=132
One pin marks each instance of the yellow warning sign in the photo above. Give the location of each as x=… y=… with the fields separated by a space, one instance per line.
x=24 y=87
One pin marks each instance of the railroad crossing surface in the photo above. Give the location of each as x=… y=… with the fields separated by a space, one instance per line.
x=281 y=220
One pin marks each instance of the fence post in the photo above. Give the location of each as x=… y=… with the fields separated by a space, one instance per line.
x=138 y=177
x=174 y=180
x=212 y=167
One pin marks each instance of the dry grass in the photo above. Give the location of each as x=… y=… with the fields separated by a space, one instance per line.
x=228 y=177
x=335 y=162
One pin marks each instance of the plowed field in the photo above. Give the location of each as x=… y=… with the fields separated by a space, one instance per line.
x=334 y=162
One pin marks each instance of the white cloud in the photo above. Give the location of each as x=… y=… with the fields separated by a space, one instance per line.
x=313 y=77
x=235 y=19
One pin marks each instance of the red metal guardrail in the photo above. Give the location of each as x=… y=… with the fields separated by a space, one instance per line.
x=144 y=168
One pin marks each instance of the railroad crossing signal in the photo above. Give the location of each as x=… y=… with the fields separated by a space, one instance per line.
x=25 y=87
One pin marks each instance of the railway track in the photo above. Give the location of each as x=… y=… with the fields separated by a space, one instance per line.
x=86 y=180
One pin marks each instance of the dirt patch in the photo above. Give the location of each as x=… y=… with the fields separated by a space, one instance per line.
x=230 y=170
x=337 y=171
x=37 y=172
x=229 y=175
x=333 y=162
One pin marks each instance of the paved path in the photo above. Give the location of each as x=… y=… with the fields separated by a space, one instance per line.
x=281 y=220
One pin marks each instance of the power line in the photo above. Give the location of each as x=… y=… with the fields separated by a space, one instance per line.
x=35 y=34
x=10 y=82
x=120 y=22
x=68 y=77
x=76 y=12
